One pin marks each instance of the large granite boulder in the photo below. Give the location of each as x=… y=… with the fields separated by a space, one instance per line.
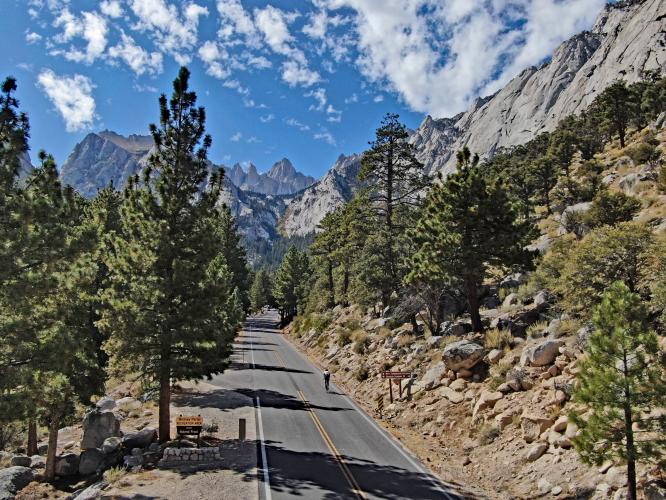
x=14 y=479
x=97 y=426
x=140 y=439
x=462 y=355
x=67 y=464
x=542 y=354
x=91 y=461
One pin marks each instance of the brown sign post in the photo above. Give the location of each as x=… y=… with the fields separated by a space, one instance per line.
x=395 y=375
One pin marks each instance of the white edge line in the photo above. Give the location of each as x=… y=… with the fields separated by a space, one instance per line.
x=398 y=446
x=264 y=461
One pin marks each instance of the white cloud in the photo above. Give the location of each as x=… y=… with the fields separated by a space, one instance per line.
x=352 y=98
x=32 y=37
x=145 y=88
x=236 y=85
x=320 y=96
x=295 y=74
x=267 y=118
x=234 y=20
x=334 y=115
x=326 y=136
x=210 y=53
x=90 y=26
x=236 y=137
x=259 y=62
x=438 y=55
x=378 y=98
x=252 y=140
x=292 y=122
x=72 y=98
x=111 y=8
x=175 y=32
x=136 y=57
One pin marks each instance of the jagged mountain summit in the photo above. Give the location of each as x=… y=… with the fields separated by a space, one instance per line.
x=282 y=178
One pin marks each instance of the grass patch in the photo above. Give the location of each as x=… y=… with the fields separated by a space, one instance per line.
x=114 y=474
x=498 y=339
x=537 y=329
x=344 y=337
x=568 y=326
x=405 y=340
x=361 y=341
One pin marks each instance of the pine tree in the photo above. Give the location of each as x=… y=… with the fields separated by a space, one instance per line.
x=618 y=108
x=324 y=250
x=467 y=225
x=261 y=293
x=290 y=285
x=622 y=380
x=394 y=181
x=234 y=253
x=171 y=309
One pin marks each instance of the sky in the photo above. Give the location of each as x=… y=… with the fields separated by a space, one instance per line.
x=303 y=79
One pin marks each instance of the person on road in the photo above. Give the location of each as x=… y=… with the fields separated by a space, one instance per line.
x=327 y=378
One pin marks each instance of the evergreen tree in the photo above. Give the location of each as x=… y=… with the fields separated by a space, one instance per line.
x=172 y=309
x=618 y=107
x=622 y=380
x=466 y=226
x=290 y=285
x=394 y=181
x=234 y=253
x=325 y=248
x=261 y=293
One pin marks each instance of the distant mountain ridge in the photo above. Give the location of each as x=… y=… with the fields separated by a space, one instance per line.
x=282 y=178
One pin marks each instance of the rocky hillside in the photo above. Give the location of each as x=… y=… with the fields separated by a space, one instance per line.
x=282 y=178
x=627 y=39
x=490 y=411
x=309 y=207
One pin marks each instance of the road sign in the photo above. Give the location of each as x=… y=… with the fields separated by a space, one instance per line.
x=397 y=375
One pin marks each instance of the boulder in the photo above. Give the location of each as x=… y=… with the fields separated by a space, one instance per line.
x=513 y=280
x=494 y=356
x=91 y=461
x=560 y=424
x=106 y=403
x=433 y=376
x=97 y=426
x=655 y=490
x=14 y=479
x=140 y=439
x=463 y=354
x=110 y=445
x=504 y=419
x=542 y=298
x=456 y=329
x=92 y=492
x=486 y=400
x=536 y=451
x=434 y=341
x=544 y=353
x=533 y=425
x=453 y=396
x=67 y=464
x=43 y=449
x=128 y=404
x=554 y=327
x=458 y=384
x=511 y=300
x=21 y=461
x=37 y=462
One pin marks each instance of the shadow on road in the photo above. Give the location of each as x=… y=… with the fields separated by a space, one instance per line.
x=302 y=474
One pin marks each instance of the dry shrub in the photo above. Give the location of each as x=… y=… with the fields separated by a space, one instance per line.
x=536 y=329
x=405 y=340
x=498 y=339
x=114 y=474
x=488 y=434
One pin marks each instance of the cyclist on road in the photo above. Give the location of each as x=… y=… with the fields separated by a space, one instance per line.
x=327 y=378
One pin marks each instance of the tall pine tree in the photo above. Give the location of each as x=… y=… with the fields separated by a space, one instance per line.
x=172 y=309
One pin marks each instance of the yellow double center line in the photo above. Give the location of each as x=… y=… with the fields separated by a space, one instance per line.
x=327 y=439
x=334 y=451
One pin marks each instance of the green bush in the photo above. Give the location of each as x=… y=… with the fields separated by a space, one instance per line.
x=344 y=337
x=362 y=373
x=609 y=208
x=643 y=153
x=321 y=321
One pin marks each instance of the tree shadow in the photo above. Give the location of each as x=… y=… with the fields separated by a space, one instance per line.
x=271 y=368
x=317 y=474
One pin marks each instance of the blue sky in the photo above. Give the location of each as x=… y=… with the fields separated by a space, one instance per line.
x=306 y=80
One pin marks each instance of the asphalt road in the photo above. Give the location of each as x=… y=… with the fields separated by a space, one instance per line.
x=313 y=444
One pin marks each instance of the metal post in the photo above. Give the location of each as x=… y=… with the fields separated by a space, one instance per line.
x=390 y=391
x=400 y=387
x=241 y=429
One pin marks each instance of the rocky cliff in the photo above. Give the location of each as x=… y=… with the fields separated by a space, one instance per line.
x=627 y=39
x=309 y=207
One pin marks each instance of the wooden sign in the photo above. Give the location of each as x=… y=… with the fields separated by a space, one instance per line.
x=396 y=375
x=189 y=426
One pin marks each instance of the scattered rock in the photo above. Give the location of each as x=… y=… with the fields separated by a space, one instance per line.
x=463 y=354
x=106 y=403
x=92 y=492
x=560 y=424
x=655 y=490
x=432 y=377
x=141 y=439
x=556 y=491
x=543 y=354
x=67 y=464
x=513 y=280
x=97 y=426
x=110 y=445
x=542 y=298
x=42 y=449
x=458 y=384
x=452 y=395
x=91 y=461
x=21 y=461
x=536 y=451
x=128 y=404
x=434 y=341
x=37 y=462
x=486 y=400
x=511 y=300
x=13 y=479
x=504 y=419
x=533 y=425
x=494 y=356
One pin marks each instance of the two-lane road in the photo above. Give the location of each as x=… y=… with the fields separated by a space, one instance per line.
x=314 y=444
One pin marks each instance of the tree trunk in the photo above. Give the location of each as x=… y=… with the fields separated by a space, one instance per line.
x=165 y=402
x=473 y=302
x=345 y=288
x=331 y=285
x=49 y=474
x=415 y=325
x=32 y=438
x=631 y=451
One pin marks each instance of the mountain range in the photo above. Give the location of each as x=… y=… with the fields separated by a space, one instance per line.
x=628 y=39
